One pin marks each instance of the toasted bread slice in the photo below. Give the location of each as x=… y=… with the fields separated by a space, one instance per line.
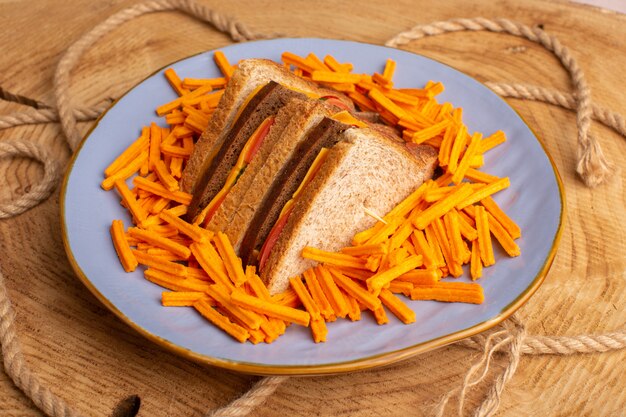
x=250 y=74
x=291 y=126
x=266 y=103
x=364 y=170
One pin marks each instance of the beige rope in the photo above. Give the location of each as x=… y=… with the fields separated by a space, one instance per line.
x=592 y=165
x=16 y=368
x=40 y=191
x=236 y=30
x=255 y=397
x=31 y=117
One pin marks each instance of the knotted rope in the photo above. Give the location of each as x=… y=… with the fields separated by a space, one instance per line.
x=592 y=165
x=512 y=339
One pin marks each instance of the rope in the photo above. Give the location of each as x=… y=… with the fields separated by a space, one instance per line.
x=236 y=30
x=512 y=340
x=256 y=396
x=592 y=165
x=16 y=368
x=39 y=192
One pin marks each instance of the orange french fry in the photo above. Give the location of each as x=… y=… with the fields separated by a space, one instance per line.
x=458 y=144
x=420 y=276
x=503 y=237
x=333 y=64
x=138 y=212
x=174 y=283
x=400 y=287
x=292 y=315
x=165 y=177
x=484 y=192
x=155 y=145
x=423 y=248
x=251 y=319
x=440 y=231
x=124 y=252
x=307 y=301
x=509 y=225
x=381 y=316
x=158 y=189
x=318 y=295
x=397 y=307
x=211 y=263
x=125 y=172
x=330 y=289
x=362 y=250
x=354 y=290
x=175 y=81
x=492 y=141
x=466 y=160
x=379 y=280
x=161 y=264
x=229 y=257
x=319 y=330
x=438 y=209
x=331 y=258
x=162 y=242
x=479 y=176
x=484 y=236
x=452 y=292
x=223 y=64
x=476 y=266
x=335 y=77
x=132 y=152
x=183 y=298
x=221 y=321
x=196 y=233
x=354 y=308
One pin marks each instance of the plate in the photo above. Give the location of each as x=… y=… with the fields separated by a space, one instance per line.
x=534 y=200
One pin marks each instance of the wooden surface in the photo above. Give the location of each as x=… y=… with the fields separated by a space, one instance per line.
x=93 y=360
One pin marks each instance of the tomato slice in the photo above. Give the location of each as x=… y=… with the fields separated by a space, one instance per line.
x=258 y=141
x=336 y=102
x=213 y=210
x=272 y=238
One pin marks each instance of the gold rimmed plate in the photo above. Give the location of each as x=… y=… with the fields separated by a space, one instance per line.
x=535 y=201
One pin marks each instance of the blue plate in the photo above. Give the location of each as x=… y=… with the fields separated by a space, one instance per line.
x=534 y=200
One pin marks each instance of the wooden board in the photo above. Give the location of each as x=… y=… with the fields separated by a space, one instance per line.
x=93 y=360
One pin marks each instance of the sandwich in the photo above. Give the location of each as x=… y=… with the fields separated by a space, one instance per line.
x=243 y=88
x=279 y=169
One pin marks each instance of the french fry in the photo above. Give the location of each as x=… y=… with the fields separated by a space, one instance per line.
x=334 y=296
x=260 y=306
x=231 y=261
x=139 y=213
x=161 y=242
x=397 y=307
x=307 y=301
x=354 y=290
x=221 y=321
x=131 y=153
x=378 y=281
x=124 y=252
x=184 y=298
x=317 y=293
x=484 y=237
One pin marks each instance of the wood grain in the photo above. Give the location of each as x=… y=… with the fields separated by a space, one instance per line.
x=94 y=361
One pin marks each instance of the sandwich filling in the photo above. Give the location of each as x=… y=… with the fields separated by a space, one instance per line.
x=283 y=217
x=285 y=185
x=249 y=151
